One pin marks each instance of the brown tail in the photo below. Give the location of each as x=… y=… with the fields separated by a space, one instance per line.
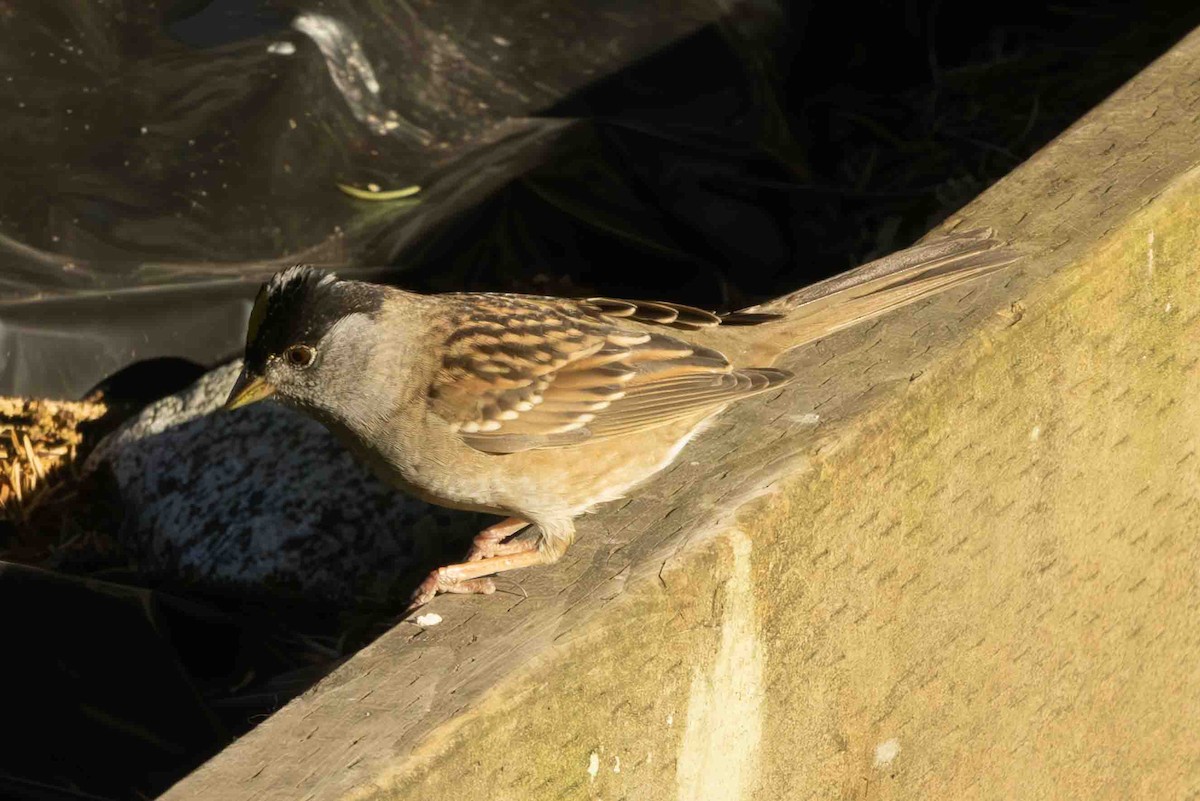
x=875 y=289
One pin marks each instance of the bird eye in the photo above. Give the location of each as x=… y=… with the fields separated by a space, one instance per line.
x=300 y=355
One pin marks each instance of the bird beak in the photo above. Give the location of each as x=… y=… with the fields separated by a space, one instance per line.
x=248 y=389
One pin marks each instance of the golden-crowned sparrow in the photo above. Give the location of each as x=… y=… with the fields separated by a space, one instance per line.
x=541 y=408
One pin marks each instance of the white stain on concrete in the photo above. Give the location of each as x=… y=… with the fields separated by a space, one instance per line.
x=886 y=751
x=593 y=766
x=717 y=759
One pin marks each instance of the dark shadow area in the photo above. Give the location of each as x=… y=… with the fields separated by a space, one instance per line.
x=728 y=165
x=142 y=382
x=722 y=171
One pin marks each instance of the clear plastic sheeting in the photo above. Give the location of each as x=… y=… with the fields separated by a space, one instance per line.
x=160 y=159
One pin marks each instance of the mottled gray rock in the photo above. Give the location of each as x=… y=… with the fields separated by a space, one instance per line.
x=262 y=495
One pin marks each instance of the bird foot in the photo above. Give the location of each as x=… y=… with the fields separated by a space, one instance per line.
x=489 y=548
x=470 y=577
x=491 y=541
x=439 y=581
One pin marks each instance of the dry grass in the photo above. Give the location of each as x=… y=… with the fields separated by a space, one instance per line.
x=40 y=445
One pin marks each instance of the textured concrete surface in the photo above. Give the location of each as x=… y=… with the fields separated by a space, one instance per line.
x=991 y=593
x=957 y=559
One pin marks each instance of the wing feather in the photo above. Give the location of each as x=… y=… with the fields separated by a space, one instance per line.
x=522 y=372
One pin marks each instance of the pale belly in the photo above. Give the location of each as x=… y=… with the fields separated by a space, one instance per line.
x=553 y=483
x=413 y=472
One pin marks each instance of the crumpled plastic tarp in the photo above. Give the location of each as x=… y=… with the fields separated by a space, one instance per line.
x=159 y=160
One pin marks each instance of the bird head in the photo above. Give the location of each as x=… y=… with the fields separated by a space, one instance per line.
x=308 y=340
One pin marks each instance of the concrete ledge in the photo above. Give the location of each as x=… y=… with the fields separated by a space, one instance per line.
x=992 y=592
x=970 y=570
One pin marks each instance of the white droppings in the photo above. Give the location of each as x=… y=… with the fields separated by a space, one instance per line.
x=670 y=720
x=810 y=419
x=886 y=751
x=429 y=619
x=1150 y=253
x=281 y=48
x=1167 y=308
x=145 y=130
x=616 y=764
x=593 y=765
x=1035 y=434
x=500 y=40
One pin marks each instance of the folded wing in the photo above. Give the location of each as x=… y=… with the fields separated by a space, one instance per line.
x=523 y=372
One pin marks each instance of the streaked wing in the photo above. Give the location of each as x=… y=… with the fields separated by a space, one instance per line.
x=522 y=372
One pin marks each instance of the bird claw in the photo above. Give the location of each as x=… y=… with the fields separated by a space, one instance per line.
x=439 y=581
x=492 y=548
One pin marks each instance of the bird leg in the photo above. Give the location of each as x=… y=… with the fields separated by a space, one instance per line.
x=469 y=577
x=490 y=541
